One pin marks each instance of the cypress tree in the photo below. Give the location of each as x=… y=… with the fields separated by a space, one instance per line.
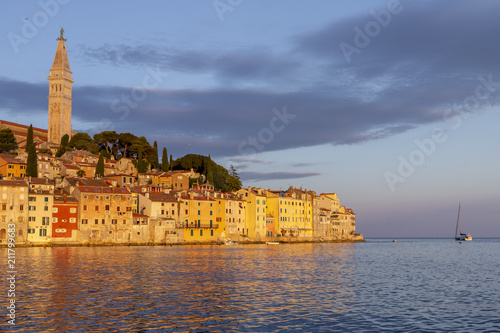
x=63 y=146
x=99 y=170
x=32 y=163
x=165 y=166
x=29 y=139
x=210 y=176
x=171 y=163
x=155 y=154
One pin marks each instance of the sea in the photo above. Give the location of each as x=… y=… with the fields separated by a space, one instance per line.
x=412 y=285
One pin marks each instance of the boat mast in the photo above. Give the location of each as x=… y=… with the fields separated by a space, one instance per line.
x=459 y=225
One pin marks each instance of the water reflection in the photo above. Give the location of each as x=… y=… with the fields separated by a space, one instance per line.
x=254 y=288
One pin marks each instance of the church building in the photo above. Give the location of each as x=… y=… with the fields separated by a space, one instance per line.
x=60 y=85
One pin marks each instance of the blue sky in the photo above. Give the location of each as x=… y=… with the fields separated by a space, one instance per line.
x=391 y=104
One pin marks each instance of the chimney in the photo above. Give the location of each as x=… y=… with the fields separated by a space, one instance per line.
x=65 y=197
x=147 y=195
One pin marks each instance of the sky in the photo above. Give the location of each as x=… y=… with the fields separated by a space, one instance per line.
x=393 y=105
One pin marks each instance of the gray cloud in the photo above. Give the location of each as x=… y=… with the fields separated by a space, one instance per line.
x=427 y=59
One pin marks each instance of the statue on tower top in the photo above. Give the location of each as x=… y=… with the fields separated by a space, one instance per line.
x=62 y=33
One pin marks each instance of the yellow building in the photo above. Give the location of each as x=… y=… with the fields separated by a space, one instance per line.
x=11 y=167
x=293 y=212
x=200 y=218
x=41 y=199
x=13 y=210
x=235 y=217
x=255 y=203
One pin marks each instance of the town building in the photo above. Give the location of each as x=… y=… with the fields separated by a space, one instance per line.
x=13 y=209
x=11 y=167
x=60 y=91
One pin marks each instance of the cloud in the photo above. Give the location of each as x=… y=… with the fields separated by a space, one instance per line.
x=259 y=176
x=250 y=160
x=408 y=76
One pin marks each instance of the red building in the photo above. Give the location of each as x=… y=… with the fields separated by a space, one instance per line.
x=64 y=216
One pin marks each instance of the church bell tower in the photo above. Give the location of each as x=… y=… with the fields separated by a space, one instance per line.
x=60 y=85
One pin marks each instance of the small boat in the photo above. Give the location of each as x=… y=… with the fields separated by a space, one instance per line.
x=395 y=241
x=272 y=243
x=459 y=236
x=230 y=242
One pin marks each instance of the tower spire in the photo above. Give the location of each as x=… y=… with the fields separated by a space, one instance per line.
x=60 y=86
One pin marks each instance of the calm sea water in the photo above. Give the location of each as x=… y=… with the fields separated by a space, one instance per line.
x=414 y=285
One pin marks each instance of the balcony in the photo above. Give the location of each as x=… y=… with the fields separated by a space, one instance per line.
x=202 y=226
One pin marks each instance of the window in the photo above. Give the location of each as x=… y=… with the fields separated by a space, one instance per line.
x=54 y=220
x=118 y=208
x=97 y=197
x=85 y=197
x=84 y=221
x=210 y=212
x=124 y=221
x=103 y=221
x=46 y=208
x=199 y=212
x=21 y=207
x=201 y=232
x=45 y=220
x=31 y=231
x=4 y=207
x=192 y=232
x=31 y=207
x=46 y=199
x=32 y=218
x=114 y=221
x=84 y=207
x=129 y=209
x=106 y=207
x=72 y=220
x=43 y=232
x=73 y=210
x=96 y=208
x=96 y=221
x=211 y=232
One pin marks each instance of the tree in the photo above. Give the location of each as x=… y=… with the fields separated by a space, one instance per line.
x=125 y=140
x=83 y=141
x=141 y=164
x=45 y=151
x=215 y=174
x=63 y=146
x=99 y=170
x=171 y=163
x=156 y=165
x=7 y=141
x=32 y=162
x=210 y=175
x=165 y=166
x=233 y=182
x=29 y=139
x=107 y=140
x=80 y=173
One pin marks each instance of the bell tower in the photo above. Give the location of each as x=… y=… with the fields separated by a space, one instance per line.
x=60 y=85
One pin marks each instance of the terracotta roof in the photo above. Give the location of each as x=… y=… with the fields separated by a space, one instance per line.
x=11 y=159
x=23 y=126
x=139 y=215
x=161 y=197
x=16 y=183
x=70 y=166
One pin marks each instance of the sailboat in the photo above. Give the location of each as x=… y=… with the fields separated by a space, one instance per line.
x=459 y=236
